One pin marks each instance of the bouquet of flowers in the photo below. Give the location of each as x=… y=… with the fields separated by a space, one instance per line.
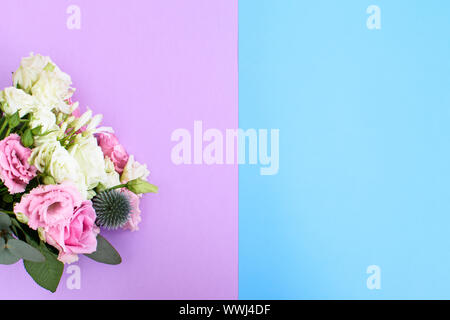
x=63 y=178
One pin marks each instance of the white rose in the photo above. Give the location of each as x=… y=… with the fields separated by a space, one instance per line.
x=134 y=170
x=29 y=70
x=48 y=138
x=44 y=118
x=51 y=91
x=63 y=167
x=54 y=160
x=112 y=177
x=41 y=155
x=90 y=159
x=14 y=100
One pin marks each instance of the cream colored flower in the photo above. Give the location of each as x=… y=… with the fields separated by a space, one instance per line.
x=89 y=157
x=52 y=91
x=14 y=100
x=44 y=118
x=134 y=170
x=112 y=177
x=54 y=160
x=29 y=71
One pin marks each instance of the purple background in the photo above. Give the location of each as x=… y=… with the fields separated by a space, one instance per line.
x=150 y=67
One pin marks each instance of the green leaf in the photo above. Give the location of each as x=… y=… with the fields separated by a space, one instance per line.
x=5 y=221
x=46 y=274
x=105 y=252
x=27 y=138
x=6 y=256
x=24 y=251
x=36 y=131
x=7 y=198
x=139 y=186
x=14 y=120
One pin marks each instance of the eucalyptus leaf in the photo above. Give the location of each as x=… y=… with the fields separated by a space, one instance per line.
x=5 y=221
x=47 y=274
x=24 y=251
x=6 y=256
x=105 y=252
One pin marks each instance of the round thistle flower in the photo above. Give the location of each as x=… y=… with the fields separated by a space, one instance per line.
x=113 y=209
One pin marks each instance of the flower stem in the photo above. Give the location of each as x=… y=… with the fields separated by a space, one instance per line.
x=5 y=122
x=8 y=131
x=116 y=187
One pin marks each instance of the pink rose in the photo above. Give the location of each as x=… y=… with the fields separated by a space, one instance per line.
x=119 y=157
x=67 y=221
x=112 y=149
x=49 y=205
x=79 y=236
x=15 y=171
x=135 y=214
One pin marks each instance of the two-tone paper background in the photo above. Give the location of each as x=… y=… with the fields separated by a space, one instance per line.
x=364 y=138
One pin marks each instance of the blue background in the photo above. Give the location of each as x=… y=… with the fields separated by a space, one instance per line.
x=364 y=119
